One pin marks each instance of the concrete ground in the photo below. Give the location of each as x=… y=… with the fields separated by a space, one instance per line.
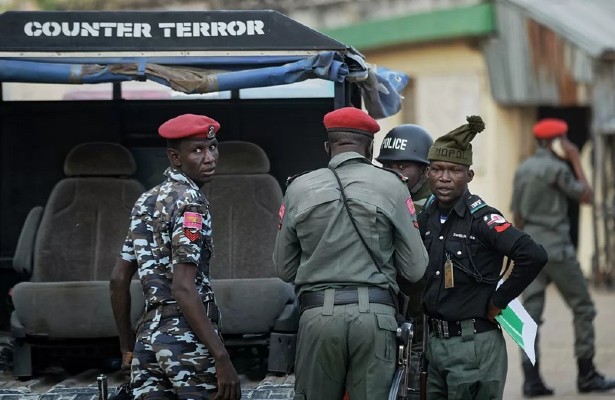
x=558 y=365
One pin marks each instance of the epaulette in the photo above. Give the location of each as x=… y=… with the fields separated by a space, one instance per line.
x=476 y=205
x=400 y=176
x=290 y=179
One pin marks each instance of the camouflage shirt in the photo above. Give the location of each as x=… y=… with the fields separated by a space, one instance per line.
x=170 y=224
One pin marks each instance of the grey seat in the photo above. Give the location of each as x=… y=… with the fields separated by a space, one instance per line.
x=79 y=237
x=255 y=304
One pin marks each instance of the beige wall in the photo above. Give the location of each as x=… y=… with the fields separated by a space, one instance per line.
x=450 y=81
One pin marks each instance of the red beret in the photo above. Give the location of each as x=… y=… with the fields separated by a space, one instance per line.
x=352 y=120
x=550 y=128
x=189 y=125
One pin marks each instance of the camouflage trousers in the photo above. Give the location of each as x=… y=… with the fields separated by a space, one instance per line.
x=170 y=362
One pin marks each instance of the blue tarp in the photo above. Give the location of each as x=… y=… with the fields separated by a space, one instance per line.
x=380 y=88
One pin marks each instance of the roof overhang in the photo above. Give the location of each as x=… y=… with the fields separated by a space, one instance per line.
x=453 y=23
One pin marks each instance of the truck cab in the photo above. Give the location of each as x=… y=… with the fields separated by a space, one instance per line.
x=83 y=94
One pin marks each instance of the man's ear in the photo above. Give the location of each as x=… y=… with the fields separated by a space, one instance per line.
x=370 y=150
x=328 y=148
x=470 y=175
x=173 y=156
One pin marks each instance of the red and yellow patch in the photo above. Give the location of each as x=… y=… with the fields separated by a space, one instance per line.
x=193 y=223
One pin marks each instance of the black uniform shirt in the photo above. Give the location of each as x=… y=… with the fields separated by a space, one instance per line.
x=476 y=237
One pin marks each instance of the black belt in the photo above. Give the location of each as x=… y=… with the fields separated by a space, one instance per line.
x=447 y=329
x=173 y=310
x=344 y=296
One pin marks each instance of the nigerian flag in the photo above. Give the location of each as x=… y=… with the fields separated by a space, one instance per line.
x=520 y=326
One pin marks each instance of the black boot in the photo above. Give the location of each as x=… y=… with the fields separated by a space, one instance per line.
x=589 y=380
x=533 y=386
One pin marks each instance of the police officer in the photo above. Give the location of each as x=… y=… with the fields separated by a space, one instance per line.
x=543 y=184
x=404 y=149
x=178 y=351
x=344 y=267
x=467 y=240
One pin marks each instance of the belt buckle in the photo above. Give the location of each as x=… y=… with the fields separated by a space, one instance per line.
x=445 y=329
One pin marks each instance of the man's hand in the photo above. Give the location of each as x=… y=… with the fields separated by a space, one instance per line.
x=229 y=387
x=126 y=360
x=571 y=149
x=493 y=312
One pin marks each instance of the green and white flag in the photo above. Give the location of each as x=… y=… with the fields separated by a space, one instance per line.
x=520 y=326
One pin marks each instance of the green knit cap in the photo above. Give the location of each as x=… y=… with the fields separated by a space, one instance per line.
x=455 y=146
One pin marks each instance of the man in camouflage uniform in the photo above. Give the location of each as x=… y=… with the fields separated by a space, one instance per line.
x=178 y=352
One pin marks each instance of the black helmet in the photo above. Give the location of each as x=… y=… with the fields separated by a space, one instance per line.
x=406 y=143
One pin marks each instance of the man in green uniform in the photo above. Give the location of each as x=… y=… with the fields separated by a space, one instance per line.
x=344 y=267
x=543 y=185
x=404 y=150
x=467 y=240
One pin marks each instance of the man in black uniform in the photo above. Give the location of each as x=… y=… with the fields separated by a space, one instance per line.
x=467 y=240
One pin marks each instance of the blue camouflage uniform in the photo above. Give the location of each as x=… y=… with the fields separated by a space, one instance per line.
x=169 y=360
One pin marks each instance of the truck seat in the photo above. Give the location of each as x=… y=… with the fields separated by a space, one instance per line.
x=245 y=200
x=79 y=237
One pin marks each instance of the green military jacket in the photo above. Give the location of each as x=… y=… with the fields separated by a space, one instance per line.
x=317 y=246
x=543 y=184
x=421 y=196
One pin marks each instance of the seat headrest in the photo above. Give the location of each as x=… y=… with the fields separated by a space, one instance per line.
x=238 y=157
x=99 y=159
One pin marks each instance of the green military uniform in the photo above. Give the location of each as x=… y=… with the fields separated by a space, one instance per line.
x=404 y=149
x=349 y=346
x=543 y=184
x=420 y=196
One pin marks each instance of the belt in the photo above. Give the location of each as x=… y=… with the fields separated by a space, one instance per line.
x=173 y=310
x=447 y=329
x=344 y=296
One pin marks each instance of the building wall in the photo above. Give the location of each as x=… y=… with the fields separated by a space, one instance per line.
x=450 y=82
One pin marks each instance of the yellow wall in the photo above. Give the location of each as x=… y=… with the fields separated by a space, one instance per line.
x=450 y=81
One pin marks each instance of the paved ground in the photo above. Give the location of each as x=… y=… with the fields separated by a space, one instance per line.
x=558 y=363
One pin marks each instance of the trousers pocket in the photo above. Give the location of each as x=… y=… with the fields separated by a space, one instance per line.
x=385 y=337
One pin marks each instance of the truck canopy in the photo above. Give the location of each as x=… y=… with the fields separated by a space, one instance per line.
x=191 y=52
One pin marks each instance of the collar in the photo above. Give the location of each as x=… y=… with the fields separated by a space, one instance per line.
x=459 y=207
x=178 y=176
x=544 y=152
x=346 y=156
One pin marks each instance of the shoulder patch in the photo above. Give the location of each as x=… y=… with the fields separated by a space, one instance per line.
x=400 y=176
x=497 y=222
x=290 y=179
x=410 y=206
x=281 y=215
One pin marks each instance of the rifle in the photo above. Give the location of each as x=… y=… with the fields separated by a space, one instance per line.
x=399 y=387
x=423 y=362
